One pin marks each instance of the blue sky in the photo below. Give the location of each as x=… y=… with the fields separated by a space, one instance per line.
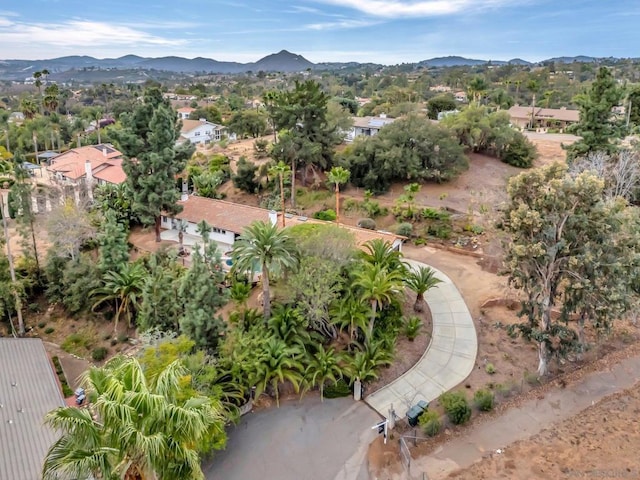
x=379 y=31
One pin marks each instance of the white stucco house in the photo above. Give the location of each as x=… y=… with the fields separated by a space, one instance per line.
x=184 y=112
x=202 y=132
x=367 y=126
x=228 y=220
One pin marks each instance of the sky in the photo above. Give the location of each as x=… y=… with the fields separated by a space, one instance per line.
x=380 y=31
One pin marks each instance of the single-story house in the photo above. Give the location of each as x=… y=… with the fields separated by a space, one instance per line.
x=201 y=131
x=228 y=220
x=29 y=389
x=543 y=118
x=93 y=163
x=184 y=112
x=367 y=126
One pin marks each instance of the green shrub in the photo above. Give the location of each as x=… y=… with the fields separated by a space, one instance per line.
x=430 y=423
x=475 y=229
x=483 y=399
x=368 y=223
x=490 y=369
x=520 y=152
x=405 y=229
x=328 y=215
x=42 y=324
x=439 y=230
x=433 y=214
x=373 y=208
x=99 y=354
x=49 y=330
x=340 y=389
x=34 y=307
x=78 y=343
x=123 y=337
x=457 y=407
x=412 y=327
x=531 y=378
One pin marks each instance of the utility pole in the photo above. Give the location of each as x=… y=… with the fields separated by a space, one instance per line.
x=12 y=268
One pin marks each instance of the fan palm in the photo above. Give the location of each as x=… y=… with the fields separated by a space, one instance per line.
x=420 y=281
x=271 y=248
x=134 y=428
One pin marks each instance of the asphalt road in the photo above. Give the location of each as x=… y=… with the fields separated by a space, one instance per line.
x=300 y=440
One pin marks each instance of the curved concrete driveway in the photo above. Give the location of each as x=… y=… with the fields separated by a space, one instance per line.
x=448 y=360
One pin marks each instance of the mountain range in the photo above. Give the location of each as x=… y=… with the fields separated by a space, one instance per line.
x=62 y=68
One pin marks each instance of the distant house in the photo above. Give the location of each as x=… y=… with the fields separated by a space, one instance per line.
x=367 y=126
x=543 y=118
x=184 y=112
x=460 y=96
x=16 y=117
x=228 y=220
x=28 y=391
x=201 y=132
x=85 y=165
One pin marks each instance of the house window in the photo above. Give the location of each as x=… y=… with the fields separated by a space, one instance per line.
x=219 y=230
x=197 y=134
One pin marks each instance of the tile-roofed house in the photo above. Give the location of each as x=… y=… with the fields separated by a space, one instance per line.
x=29 y=389
x=201 y=131
x=367 y=126
x=543 y=117
x=228 y=220
x=101 y=162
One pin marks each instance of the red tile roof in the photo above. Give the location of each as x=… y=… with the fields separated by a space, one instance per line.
x=106 y=163
x=235 y=217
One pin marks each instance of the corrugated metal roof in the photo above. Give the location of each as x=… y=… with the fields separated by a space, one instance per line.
x=28 y=390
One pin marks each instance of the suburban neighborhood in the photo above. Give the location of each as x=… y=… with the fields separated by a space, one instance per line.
x=341 y=270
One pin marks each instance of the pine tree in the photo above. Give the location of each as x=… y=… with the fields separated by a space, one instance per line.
x=202 y=293
x=161 y=306
x=597 y=126
x=152 y=158
x=112 y=239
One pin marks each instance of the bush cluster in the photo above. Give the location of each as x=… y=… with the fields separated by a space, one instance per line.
x=457 y=407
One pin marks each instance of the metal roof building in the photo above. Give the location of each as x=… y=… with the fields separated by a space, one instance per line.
x=28 y=390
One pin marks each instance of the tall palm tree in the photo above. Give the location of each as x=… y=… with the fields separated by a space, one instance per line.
x=271 y=248
x=477 y=88
x=29 y=108
x=533 y=86
x=323 y=366
x=420 y=281
x=280 y=363
x=282 y=170
x=378 y=286
x=338 y=176
x=134 y=428
x=124 y=288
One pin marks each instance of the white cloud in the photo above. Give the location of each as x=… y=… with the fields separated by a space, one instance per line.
x=34 y=39
x=339 y=25
x=424 y=8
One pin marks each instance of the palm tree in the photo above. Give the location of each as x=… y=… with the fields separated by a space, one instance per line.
x=29 y=108
x=271 y=248
x=378 y=286
x=349 y=312
x=381 y=252
x=51 y=101
x=533 y=86
x=477 y=88
x=338 y=176
x=124 y=288
x=323 y=366
x=282 y=170
x=134 y=428
x=419 y=281
x=280 y=363
x=289 y=325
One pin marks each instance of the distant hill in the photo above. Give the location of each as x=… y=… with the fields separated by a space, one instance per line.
x=283 y=61
x=79 y=66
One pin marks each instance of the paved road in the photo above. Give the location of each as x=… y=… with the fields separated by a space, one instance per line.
x=304 y=439
x=448 y=360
